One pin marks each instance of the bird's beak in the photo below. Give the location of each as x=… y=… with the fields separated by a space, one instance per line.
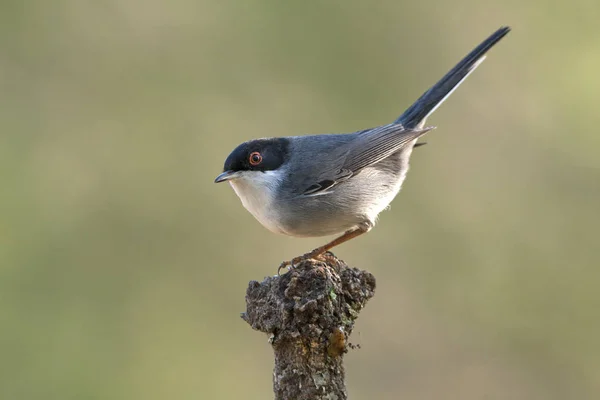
x=227 y=175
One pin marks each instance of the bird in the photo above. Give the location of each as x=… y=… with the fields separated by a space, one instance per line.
x=337 y=184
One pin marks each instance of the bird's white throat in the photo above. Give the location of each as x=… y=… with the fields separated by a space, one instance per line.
x=256 y=190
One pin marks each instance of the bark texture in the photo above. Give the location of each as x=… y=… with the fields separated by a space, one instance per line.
x=309 y=314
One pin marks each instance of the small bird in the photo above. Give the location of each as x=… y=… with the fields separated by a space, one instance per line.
x=319 y=185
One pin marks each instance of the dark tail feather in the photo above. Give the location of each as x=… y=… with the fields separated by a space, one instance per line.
x=432 y=98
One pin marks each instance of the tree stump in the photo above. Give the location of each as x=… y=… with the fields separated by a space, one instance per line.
x=309 y=314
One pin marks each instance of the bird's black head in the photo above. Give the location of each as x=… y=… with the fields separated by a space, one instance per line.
x=255 y=155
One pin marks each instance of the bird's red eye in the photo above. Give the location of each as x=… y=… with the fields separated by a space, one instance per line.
x=255 y=158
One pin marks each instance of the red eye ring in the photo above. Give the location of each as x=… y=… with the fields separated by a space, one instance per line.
x=255 y=158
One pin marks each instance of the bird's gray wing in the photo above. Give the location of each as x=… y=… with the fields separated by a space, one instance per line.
x=367 y=148
x=377 y=144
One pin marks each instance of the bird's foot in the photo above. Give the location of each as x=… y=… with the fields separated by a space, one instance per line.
x=292 y=263
x=328 y=257
x=313 y=255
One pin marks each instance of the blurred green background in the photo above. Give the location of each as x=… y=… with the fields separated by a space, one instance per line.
x=123 y=268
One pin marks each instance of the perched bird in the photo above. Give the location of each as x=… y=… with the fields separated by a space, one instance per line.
x=318 y=185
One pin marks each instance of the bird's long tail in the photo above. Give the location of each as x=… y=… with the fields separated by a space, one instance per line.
x=429 y=101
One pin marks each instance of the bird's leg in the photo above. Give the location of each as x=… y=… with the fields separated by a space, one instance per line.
x=351 y=234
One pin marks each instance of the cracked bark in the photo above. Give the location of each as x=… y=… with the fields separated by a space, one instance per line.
x=309 y=314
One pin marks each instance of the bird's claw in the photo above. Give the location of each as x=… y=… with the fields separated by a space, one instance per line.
x=297 y=260
x=288 y=264
x=285 y=264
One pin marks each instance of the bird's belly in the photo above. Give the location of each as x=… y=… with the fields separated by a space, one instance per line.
x=345 y=207
x=313 y=225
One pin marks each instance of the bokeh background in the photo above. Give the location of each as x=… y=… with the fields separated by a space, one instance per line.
x=123 y=268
